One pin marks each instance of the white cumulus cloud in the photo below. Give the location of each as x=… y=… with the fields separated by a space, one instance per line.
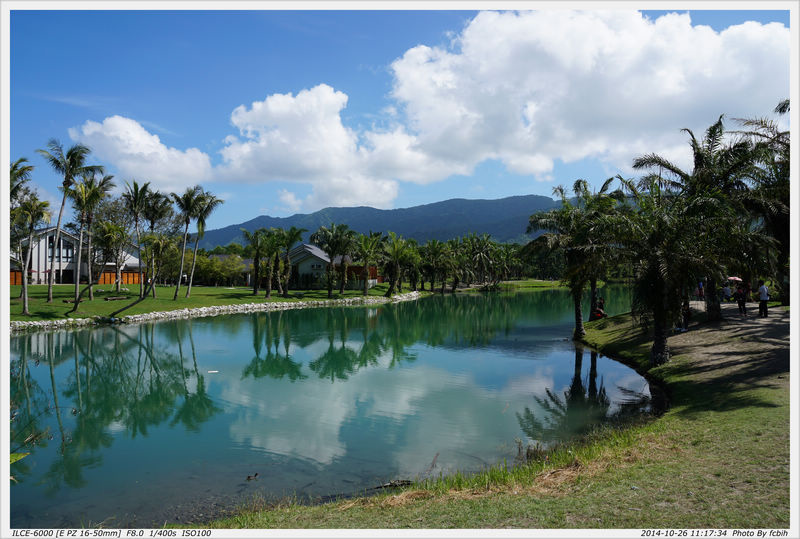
x=529 y=88
x=525 y=88
x=139 y=154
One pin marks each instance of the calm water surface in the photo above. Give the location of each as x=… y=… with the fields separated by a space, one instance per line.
x=165 y=421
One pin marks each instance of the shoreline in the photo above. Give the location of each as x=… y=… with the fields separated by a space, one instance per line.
x=20 y=326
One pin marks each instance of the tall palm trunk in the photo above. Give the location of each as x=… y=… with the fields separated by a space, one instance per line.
x=592 y=296
x=25 y=266
x=155 y=262
x=78 y=266
x=51 y=277
x=139 y=257
x=455 y=283
x=713 y=309
x=343 y=280
x=395 y=272
x=183 y=254
x=256 y=274
x=277 y=270
x=366 y=277
x=194 y=261
x=89 y=257
x=287 y=273
x=329 y=278
x=659 y=352
x=268 y=286
x=577 y=292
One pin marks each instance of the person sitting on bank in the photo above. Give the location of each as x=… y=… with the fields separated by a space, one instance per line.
x=599 y=310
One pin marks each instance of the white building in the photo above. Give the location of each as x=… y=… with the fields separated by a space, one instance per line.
x=66 y=260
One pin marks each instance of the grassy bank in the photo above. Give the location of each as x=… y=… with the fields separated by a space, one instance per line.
x=718 y=458
x=201 y=297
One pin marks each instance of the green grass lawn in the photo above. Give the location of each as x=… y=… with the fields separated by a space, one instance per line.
x=201 y=296
x=718 y=458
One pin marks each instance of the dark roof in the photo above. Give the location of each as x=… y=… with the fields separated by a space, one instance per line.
x=309 y=249
x=312 y=250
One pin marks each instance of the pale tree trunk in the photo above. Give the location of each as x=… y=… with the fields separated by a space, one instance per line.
x=194 y=261
x=52 y=275
x=329 y=277
x=119 y=273
x=277 y=275
x=287 y=274
x=139 y=257
x=183 y=254
x=25 y=266
x=78 y=267
x=89 y=260
x=366 y=277
x=343 y=280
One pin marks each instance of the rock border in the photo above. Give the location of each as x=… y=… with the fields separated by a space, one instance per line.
x=18 y=326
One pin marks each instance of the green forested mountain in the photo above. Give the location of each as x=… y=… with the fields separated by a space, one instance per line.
x=504 y=219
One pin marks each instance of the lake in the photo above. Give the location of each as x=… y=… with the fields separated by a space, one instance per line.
x=165 y=421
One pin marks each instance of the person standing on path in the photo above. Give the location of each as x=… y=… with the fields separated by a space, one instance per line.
x=741 y=299
x=763 y=297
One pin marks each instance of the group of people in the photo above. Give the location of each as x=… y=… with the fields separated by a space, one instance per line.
x=740 y=296
x=743 y=292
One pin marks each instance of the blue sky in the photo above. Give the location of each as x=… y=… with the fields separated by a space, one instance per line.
x=282 y=112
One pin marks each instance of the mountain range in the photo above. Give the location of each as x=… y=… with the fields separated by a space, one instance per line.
x=505 y=219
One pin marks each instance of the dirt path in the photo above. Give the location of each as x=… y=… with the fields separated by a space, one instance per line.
x=741 y=350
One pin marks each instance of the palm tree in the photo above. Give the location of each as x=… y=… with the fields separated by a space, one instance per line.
x=394 y=249
x=32 y=211
x=96 y=190
x=113 y=238
x=157 y=207
x=564 y=226
x=188 y=204
x=434 y=253
x=135 y=198
x=86 y=195
x=719 y=172
x=768 y=201
x=367 y=249
x=345 y=244
x=273 y=240
x=206 y=207
x=79 y=193
x=660 y=238
x=597 y=244
x=19 y=176
x=289 y=238
x=156 y=247
x=256 y=241
x=70 y=165
x=326 y=238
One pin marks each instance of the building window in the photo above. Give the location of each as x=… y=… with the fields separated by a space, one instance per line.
x=67 y=250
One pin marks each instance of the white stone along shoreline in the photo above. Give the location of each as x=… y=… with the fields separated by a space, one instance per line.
x=38 y=325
